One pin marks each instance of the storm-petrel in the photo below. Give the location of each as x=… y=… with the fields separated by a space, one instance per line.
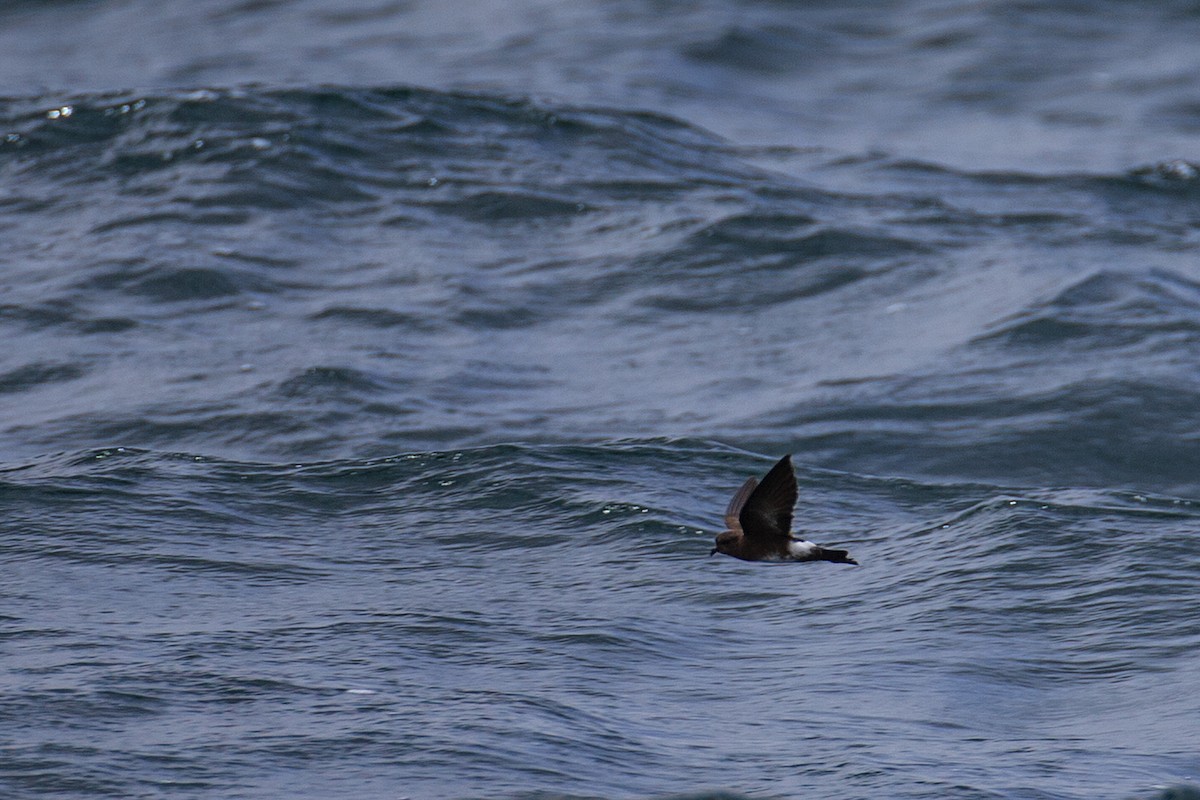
x=759 y=518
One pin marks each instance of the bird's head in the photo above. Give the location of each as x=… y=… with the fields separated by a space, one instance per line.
x=725 y=543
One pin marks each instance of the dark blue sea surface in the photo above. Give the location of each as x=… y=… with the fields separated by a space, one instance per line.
x=375 y=375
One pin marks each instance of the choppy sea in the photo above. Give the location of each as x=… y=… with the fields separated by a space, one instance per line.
x=374 y=376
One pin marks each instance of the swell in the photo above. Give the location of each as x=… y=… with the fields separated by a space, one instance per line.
x=426 y=605
x=481 y=268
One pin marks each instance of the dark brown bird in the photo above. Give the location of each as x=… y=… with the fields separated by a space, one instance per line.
x=759 y=518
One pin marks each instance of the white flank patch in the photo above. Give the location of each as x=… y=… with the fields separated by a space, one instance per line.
x=802 y=549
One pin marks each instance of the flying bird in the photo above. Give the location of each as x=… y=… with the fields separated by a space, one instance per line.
x=759 y=518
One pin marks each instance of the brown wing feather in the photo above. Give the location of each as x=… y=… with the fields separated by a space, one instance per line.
x=736 y=502
x=767 y=513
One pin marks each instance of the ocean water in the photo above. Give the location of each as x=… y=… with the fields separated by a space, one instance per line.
x=376 y=374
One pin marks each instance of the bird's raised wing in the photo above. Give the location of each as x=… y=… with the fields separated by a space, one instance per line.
x=735 y=504
x=767 y=512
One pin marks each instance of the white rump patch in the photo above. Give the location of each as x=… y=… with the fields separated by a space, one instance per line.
x=798 y=548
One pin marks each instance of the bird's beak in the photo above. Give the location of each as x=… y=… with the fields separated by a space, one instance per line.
x=713 y=553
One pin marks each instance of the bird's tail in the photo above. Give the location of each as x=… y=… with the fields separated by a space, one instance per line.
x=836 y=556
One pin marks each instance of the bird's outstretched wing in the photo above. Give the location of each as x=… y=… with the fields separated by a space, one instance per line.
x=735 y=504
x=767 y=512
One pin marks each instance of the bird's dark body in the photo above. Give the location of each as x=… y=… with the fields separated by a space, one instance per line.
x=759 y=521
